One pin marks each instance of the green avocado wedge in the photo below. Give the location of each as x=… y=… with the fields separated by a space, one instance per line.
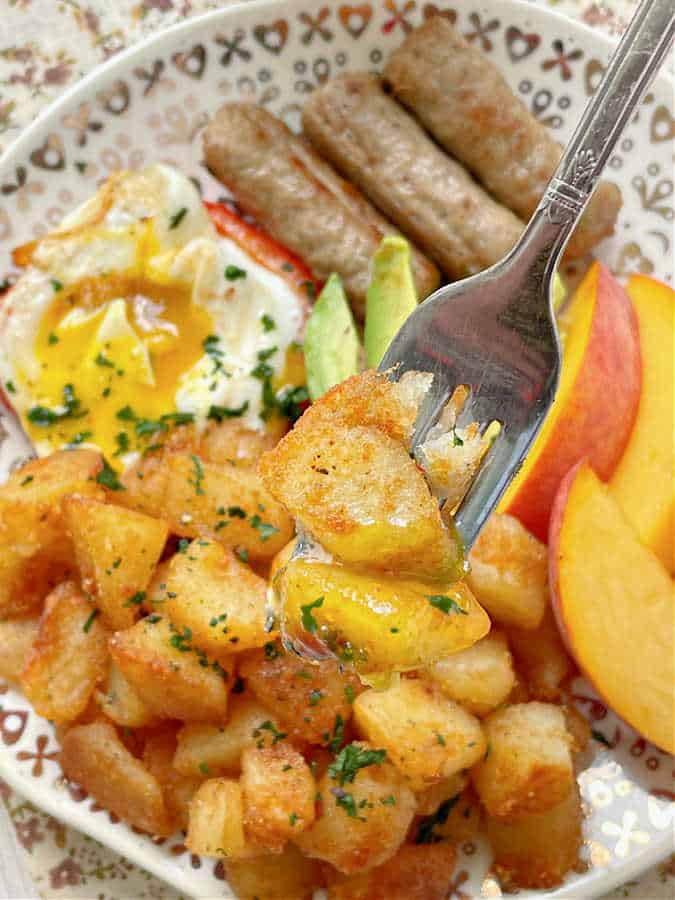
x=331 y=341
x=390 y=299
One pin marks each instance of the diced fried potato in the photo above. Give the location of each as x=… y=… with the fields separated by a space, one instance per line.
x=220 y=599
x=432 y=797
x=116 y=551
x=281 y=876
x=177 y=790
x=480 y=678
x=308 y=699
x=217 y=750
x=362 y=823
x=362 y=497
x=171 y=677
x=528 y=766
x=428 y=737
x=217 y=821
x=68 y=658
x=201 y=499
x=380 y=623
x=120 y=702
x=537 y=850
x=414 y=873
x=231 y=442
x=278 y=791
x=95 y=758
x=27 y=574
x=457 y=819
x=541 y=658
x=16 y=641
x=509 y=573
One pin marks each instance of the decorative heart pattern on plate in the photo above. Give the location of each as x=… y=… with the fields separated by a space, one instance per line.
x=356 y=19
x=191 y=63
x=631 y=259
x=272 y=37
x=116 y=99
x=51 y=155
x=592 y=74
x=520 y=45
x=663 y=125
x=430 y=9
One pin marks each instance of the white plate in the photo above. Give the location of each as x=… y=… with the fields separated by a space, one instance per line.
x=150 y=103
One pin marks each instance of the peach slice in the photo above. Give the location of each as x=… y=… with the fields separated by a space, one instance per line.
x=643 y=483
x=596 y=403
x=614 y=604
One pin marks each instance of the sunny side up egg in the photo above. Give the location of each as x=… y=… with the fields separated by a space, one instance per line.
x=136 y=314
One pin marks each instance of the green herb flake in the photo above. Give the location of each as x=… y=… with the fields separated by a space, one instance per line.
x=456 y=439
x=349 y=693
x=338 y=734
x=56 y=285
x=52 y=339
x=425 y=830
x=136 y=599
x=308 y=620
x=102 y=360
x=268 y=323
x=242 y=553
x=345 y=801
x=271 y=650
x=177 y=218
x=267 y=725
x=389 y=800
x=204 y=769
x=353 y=758
x=233 y=273
x=80 y=438
x=11 y=389
x=315 y=697
x=122 y=440
x=198 y=480
x=264 y=529
x=27 y=480
x=293 y=818
x=90 y=620
x=108 y=478
x=221 y=413
x=446 y=604
x=440 y=740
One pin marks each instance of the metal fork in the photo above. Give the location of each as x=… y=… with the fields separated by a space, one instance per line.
x=496 y=332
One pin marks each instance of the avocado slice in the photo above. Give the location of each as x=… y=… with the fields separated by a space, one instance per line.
x=391 y=297
x=331 y=341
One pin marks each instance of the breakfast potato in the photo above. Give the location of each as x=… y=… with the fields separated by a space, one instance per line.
x=217 y=749
x=428 y=737
x=363 y=818
x=280 y=876
x=16 y=641
x=116 y=551
x=310 y=700
x=178 y=790
x=278 y=791
x=28 y=574
x=121 y=703
x=173 y=678
x=541 y=657
x=217 y=821
x=414 y=873
x=457 y=819
x=68 y=658
x=221 y=600
x=528 y=764
x=431 y=798
x=94 y=757
x=509 y=573
x=480 y=677
x=379 y=623
x=233 y=443
x=535 y=851
x=362 y=497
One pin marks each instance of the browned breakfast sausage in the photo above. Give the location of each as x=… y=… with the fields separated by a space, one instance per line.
x=300 y=200
x=460 y=96
x=379 y=146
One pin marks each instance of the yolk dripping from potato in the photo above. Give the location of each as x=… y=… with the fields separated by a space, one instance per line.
x=121 y=342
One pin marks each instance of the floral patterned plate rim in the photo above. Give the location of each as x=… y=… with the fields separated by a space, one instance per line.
x=150 y=103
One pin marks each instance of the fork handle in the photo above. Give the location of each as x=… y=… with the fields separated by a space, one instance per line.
x=632 y=67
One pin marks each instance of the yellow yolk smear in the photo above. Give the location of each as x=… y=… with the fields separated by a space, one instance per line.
x=111 y=358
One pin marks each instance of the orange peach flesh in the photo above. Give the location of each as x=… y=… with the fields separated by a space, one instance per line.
x=614 y=604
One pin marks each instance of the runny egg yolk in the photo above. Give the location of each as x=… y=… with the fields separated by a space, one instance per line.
x=111 y=359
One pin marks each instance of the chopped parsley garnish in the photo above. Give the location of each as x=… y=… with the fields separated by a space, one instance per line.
x=136 y=599
x=183 y=544
x=102 y=360
x=108 y=478
x=236 y=512
x=292 y=402
x=27 y=480
x=425 y=831
x=389 y=800
x=264 y=529
x=232 y=273
x=43 y=416
x=56 y=285
x=80 y=438
x=271 y=650
x=219 y=413
x=204 y=769
x=177 y=218
x=440 y=740
x=198 y=475
x=351 y=759
x=293 y=818
x=122 y=440
x=267 y=353
x=268 y=322
x=315 y=697
x=242 y=553
x=81 y=166
x=90 y=620
x=310 y=289
x=335 y=742
x=345 y=801
x=456 y=439
x=273 y=730
x=349 y=693
x=446 y=604
x=308 y=620
x=126 y=414
x=262 y=371
x=52 y=339
x=10 y=387
x=181 y=641
x=211 y=348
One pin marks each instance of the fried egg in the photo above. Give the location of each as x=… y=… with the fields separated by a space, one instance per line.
x=135 y=314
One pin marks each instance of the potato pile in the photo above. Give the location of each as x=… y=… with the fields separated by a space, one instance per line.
x=136 y=614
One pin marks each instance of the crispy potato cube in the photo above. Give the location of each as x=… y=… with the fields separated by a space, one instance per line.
x=217 y=821
x=16 y=640
x=457 y=819
x=308 y=699
x=362 y=497
x=509 y=572
x=177 y=790
x=528 y=766
x=28 y=574
x=414 y=873
x=233 y=443
x=94 y=757
x=541 y=658
x=217 y=750
x=117 y=550
x=278 y=790
x=201 y=499
x=68 y=658
x=219 y=598
x=480 y=678
x=173 y=678
x=120 y=702
x=429 y=800
x=379 y=622
x=536 y=851
x=362 y=823
x=428 y=737
x=281 y=876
